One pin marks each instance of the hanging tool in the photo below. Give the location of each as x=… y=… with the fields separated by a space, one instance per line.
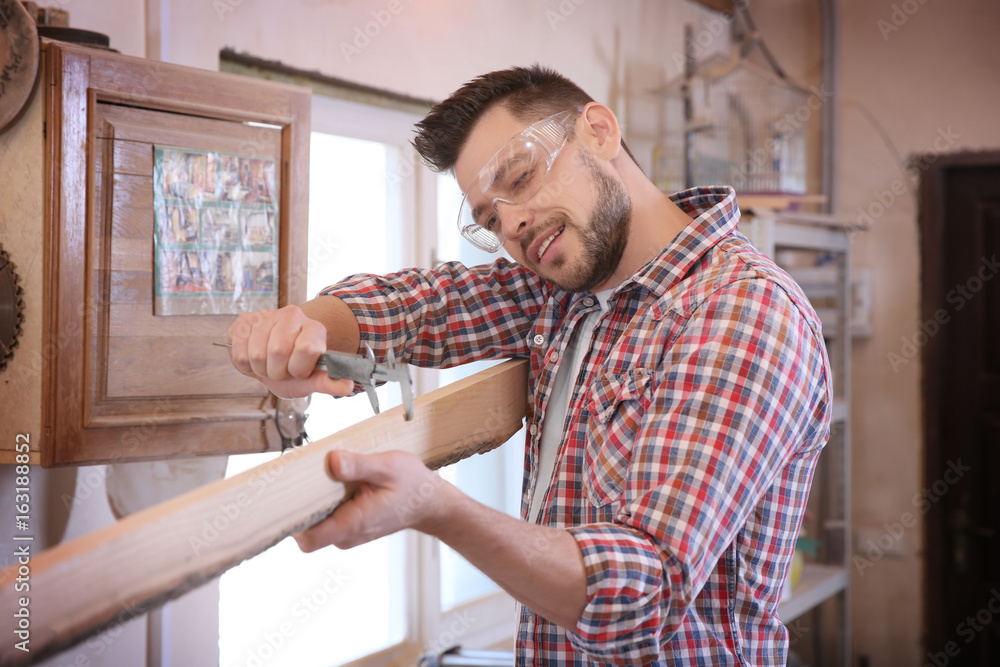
x=11 y=308
x=19 y=57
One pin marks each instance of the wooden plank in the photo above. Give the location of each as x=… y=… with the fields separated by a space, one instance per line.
x=144 y=560
x=138 y=320
x=132 y=190
x=186 y=366
x=131 y=287
x=133 y=157
x=777 y=202
x=131 y=222
x=66 y=227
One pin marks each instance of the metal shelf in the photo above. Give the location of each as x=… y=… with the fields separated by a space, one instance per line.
x=815 y=250
x=818 y=583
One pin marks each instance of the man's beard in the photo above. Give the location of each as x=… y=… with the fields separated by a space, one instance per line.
x=603 y=240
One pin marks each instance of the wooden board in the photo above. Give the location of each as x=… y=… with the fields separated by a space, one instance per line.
x=777 y=202
x=144 y=560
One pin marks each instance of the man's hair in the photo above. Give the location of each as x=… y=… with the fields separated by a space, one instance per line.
x=528 y=93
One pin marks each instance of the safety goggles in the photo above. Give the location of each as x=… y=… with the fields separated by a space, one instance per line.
x=512 y=176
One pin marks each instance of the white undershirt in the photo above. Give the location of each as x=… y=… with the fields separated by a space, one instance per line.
x=562 y=391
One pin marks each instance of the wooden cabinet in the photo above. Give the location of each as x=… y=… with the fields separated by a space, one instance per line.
x=101 y=373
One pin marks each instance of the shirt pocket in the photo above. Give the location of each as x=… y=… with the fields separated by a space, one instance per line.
x=617 y=403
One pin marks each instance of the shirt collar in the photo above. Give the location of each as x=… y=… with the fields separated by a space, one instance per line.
x=715 y=214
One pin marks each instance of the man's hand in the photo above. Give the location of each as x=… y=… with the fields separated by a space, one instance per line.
x=393 y=490
x=539 y=565
x=280 y=348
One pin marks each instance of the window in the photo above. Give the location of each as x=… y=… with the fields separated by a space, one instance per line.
x=372 y=209
x=494 y=478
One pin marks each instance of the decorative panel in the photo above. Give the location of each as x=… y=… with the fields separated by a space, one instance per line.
x=127 y=317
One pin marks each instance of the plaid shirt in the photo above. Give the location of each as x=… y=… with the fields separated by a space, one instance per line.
x=691 y=438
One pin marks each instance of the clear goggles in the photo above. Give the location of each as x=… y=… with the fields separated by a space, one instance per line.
x=512 y=176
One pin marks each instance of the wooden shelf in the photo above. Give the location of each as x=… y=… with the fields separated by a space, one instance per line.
x=777 y=201
x=818 y=583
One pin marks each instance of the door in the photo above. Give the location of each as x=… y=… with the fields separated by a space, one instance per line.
x=961 y=246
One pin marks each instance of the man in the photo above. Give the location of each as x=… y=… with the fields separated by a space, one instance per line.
x=680 y=387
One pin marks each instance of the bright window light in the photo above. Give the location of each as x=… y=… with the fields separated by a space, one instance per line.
x=283 y=607
x=494 y=478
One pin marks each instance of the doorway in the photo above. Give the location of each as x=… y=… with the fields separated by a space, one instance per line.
x=960 y=246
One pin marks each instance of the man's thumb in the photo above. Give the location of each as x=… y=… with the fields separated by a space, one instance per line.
x=353 y=467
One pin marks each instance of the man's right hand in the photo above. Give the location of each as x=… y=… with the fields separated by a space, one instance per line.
x=280 y=348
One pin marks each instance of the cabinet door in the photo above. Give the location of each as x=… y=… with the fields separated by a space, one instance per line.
x=139 y=158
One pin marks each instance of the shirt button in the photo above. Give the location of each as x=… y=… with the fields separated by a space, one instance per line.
x=588 y=302
x=554 y=356
x=539 y=339
x=533 y=429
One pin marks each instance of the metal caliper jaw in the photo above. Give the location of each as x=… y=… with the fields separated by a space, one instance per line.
x=366 y=371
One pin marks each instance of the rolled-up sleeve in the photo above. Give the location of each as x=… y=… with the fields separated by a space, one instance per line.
x=742 y=389
x=620 y=623
x=448 y=315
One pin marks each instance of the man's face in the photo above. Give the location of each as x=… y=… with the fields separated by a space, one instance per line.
x=573 y=232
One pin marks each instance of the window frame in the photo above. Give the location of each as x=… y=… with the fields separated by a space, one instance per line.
x=348 y=113
x=427 y=623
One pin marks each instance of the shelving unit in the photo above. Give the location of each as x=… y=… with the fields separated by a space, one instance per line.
x=815 y=250
x=818 y=583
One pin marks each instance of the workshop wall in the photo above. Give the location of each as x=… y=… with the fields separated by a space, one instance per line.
x=616 y=51
x=922 y=76
x=928 y=76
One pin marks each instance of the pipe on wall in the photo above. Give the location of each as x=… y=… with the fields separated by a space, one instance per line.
x=830 y=29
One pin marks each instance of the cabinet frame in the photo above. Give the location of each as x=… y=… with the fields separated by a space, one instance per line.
x=77 y=79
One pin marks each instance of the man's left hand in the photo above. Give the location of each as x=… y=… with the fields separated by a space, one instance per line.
x=394 y=490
